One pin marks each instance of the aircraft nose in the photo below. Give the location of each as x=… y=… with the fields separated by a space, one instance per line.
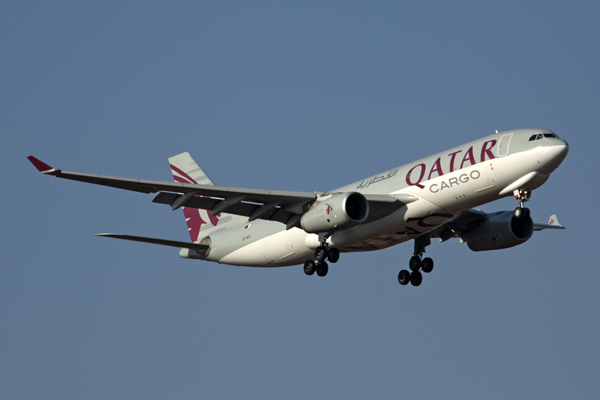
x=557 y=152
x=564 y=149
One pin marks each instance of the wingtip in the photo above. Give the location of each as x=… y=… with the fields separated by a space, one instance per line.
x=40 y=165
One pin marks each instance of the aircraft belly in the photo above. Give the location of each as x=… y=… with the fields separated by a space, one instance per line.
x=410 y=221
x=277 y=250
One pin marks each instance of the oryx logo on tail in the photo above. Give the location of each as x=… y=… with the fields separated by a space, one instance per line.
x=195 y=218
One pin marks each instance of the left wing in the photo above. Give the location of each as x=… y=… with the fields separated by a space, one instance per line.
x=552 y=224
x=274 y=205
x=470 y=219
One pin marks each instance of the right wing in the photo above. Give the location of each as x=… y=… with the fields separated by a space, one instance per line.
x=275 y=205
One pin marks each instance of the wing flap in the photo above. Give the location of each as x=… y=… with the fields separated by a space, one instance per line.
x=245 y=209
x=379 y=205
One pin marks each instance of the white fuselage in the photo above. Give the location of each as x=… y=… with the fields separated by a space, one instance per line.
x=442 y=196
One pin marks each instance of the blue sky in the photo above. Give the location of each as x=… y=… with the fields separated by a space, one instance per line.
x=296 y=96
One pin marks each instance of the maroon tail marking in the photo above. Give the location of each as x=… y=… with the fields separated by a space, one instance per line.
x=192 y=215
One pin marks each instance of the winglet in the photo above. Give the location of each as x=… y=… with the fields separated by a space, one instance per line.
x=554 y=220
x=552 y=224
x=41 y=166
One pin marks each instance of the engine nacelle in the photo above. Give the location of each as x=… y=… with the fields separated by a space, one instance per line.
x=500 y=232
x=340 y=211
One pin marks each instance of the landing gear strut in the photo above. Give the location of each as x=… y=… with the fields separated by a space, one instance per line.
x=522 y=196
x=417 y=263
x=322 y=253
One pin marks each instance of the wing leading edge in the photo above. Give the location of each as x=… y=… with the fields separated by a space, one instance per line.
x=275 y=205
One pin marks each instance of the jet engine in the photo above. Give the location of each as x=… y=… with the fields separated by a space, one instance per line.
x=500 y=232
x=338 y=212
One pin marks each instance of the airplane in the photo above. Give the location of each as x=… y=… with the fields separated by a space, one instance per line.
x=434 y=197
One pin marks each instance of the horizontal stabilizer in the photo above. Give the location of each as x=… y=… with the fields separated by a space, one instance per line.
x=164 y=242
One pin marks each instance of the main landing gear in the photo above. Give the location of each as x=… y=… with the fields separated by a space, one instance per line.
x=522 y=196
x=417 y=263
x=322 y=253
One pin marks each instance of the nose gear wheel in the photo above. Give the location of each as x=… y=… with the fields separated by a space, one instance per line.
x=522 y=196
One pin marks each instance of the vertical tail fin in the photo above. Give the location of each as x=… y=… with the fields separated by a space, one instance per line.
x=186 y=170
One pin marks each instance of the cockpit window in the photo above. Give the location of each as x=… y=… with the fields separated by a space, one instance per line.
x=542 y=135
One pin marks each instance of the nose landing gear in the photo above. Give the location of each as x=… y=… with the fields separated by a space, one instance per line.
x=522 y=196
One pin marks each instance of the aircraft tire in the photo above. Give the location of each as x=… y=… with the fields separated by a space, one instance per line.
x=333 y=255
x=526 y=212
x=321 y=253
x=416 y=278
x=309 y=267
x=427 y=265
x=404 y=277
x=322 y=269
x=414 y=263
x=518 y=212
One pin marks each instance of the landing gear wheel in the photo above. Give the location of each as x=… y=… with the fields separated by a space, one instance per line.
x=519 y=212
x=414 y=263
x=321 y=253
x=333 y=255
x=427 y=265
x=322 y=269
x=404 y=277
x=526 y=212
x=309 y=267
x=416 y=278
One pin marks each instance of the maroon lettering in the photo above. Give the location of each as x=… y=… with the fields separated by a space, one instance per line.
x=485 y=151
x=437 y=167
x=417 y=183
x=452 y=157
x=468 y=157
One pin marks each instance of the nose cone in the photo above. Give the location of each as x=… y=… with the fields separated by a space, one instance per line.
x=564 y=150
x=557 y=152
